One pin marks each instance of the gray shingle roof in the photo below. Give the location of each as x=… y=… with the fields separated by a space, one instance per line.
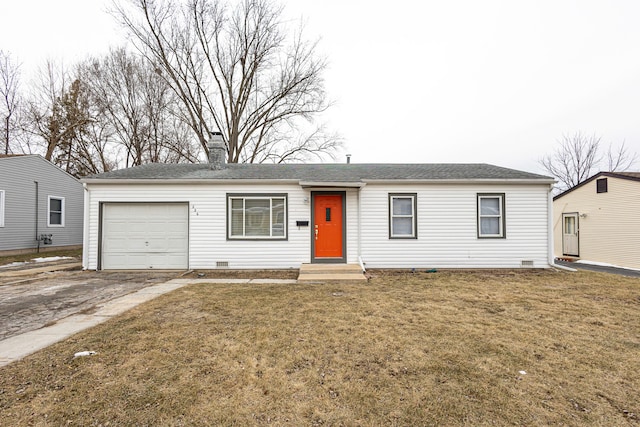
x=324 y=172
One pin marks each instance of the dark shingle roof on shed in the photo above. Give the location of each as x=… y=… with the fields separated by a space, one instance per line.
x=324 y=172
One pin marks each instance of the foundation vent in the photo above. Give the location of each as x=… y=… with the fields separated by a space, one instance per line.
x=526 y=264
x=222 y=264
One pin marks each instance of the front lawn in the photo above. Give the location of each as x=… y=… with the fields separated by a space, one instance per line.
x=27 y=257
x=523 y=347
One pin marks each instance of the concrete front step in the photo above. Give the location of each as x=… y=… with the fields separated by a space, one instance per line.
x=326 y=272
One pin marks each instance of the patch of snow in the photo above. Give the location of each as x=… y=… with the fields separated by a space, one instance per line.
x=51 y=258
x=84 y=353
x=13 y=264
x=603 y=264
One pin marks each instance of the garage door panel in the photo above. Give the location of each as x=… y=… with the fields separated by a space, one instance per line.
x=125 y=261
x=167 y=261
x=145 y=236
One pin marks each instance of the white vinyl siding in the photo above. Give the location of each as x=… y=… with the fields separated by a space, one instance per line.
x=257 y=217
x=55 y=217
x=448 y=231
x=208 y=243
x=1 y=208
x=446 y=226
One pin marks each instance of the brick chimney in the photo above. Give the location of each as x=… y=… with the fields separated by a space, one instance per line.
x=217 y=151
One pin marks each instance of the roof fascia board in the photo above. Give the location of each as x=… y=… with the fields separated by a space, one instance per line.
x=460 y=181
x=163 y=181
x=343 y=184
x=332 y=184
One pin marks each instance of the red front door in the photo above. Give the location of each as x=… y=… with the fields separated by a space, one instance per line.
x=327 y=227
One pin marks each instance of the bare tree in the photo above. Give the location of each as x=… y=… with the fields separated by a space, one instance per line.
x=578 y=156
x=235 y=70
x=138 y=105
x=620 y=159
x=93 y=151
x=9 y=84
x=58 y=111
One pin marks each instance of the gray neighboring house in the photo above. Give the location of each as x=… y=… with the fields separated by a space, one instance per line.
x=41 y=206
x=266 y=216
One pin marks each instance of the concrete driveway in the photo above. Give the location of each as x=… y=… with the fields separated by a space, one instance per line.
x=29 y=302
x=600 y=268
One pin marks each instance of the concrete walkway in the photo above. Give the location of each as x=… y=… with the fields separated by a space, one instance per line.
x=19 y=346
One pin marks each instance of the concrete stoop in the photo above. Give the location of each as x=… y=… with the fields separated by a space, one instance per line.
x=330 y=272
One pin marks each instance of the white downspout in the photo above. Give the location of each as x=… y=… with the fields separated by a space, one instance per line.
x=550 y=233
x=360 y=261
x=85 y=229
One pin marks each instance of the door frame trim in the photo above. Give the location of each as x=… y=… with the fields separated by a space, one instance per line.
x=577 y=215
x=333 y=260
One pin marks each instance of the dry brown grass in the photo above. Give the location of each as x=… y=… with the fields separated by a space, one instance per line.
x=404 y=349
x=26 y=257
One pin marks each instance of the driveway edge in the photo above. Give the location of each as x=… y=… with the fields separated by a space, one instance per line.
x=20 y=346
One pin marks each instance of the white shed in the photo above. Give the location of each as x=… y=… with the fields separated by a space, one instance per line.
x=598 y=220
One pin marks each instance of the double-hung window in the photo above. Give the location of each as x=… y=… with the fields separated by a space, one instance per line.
x=56 y=212
x=257 y=216
x=491 y=222
x=402 y=216
x=1 y=208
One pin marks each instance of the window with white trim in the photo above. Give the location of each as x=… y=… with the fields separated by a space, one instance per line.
x=55 y=217
x=491 y=222
x=402 y=216
x=1 y=208
x=257 y=216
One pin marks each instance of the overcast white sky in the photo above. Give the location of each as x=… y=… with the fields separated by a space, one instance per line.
x=492 y=81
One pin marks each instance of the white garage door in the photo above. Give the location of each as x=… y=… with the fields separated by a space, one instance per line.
x=145 y=236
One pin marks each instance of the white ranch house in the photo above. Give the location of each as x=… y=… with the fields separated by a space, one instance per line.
x=266 y=216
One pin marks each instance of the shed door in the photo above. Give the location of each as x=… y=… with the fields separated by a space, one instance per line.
x=145 y=236
x=570 y=234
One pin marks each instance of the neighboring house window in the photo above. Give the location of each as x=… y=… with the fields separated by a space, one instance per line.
x=601 y=185
x=402 y=216
x=56 y=212
x=491 y=216
x=1 y=208
x=257 y=216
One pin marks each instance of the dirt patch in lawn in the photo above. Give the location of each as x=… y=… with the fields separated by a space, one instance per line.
x=75 y=254
x=447 y=348
x=242 y=274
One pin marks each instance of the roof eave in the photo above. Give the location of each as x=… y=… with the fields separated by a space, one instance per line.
x=511 y=181
x=343 y=184
x=330 y=184
x=160 y=181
